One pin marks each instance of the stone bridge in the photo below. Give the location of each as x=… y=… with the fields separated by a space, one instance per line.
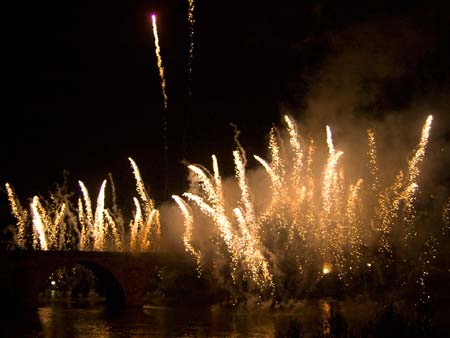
x=24 y=274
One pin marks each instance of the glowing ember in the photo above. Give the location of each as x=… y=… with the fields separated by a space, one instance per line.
x=326 y=269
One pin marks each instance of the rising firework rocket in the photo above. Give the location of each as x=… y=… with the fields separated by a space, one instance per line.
x=158 y=57
x=191 y=38
x=163 y=87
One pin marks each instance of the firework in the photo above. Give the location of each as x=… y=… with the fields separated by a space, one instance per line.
x=308 y=214
x=54 y=226
x=159 y=60
x=145 y=224
x=191 y=39
x=243 y=244
x=39 y=217
x=414 y=171
x=93 y=227
x=19 y=214
x=187 y=237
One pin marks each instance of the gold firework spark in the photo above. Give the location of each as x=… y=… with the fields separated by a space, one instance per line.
x=331 y=218
x=242 y=244
x=93 y=227
x=19 y=214
x=373 y=168
x=414 y=171
x=146 y=224
x=99 y=221
x=446 y=217
x=188 y=227
x=38 y=213
x=191 y=38
x=159 y=60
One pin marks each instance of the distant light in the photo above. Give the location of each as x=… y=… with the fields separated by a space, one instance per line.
x=326 y=269
x=369 y=265
x=53 y=283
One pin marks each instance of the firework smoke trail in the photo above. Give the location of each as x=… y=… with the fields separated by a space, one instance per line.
x=191 y=38
x=19 y=214
x=159 y=60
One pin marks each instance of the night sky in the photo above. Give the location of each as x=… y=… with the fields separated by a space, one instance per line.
x=82 y=91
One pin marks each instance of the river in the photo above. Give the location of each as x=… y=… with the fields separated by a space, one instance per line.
x=66 y=321
x=321 y=318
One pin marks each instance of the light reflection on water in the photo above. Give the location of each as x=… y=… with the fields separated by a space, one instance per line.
x=62 y=321
x=320 y=318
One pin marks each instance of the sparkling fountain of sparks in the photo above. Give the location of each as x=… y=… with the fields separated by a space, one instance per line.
x=308 y=216
x=413 y=174
x=187 y=237
x=19 y=214
x=240 y=234
x=93 y=229
x=145 y=224
x=315 y=221
x=55 y=227
x=38 y=223
x=48 y=229
x=159 y=60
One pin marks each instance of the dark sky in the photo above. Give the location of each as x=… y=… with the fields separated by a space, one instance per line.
x=82 y=91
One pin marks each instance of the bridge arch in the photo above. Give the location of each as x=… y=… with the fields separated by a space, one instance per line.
x=113 y=290
x=24 y=273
